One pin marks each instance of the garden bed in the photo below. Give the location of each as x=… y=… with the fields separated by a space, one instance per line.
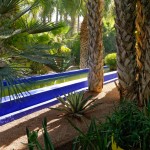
x=14 y=134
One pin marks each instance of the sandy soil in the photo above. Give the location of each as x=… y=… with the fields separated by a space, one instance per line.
x=13 y=134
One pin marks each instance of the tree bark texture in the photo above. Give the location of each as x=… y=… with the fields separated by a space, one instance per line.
x=84 y=44
x=145 y=49
x=126 y=51
x=73 y=25
x=95 y=61
x=140 y=47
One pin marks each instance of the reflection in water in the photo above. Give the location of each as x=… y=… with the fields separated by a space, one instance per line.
x=58 y=80
x=43 y=83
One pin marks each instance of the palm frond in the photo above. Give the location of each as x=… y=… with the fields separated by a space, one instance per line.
x=39 y=53
x=5 y=34
x=60 y=65
x=8 y=5
x=25 y=10
x=10 y=83
x=38 y=27
x=38 y=47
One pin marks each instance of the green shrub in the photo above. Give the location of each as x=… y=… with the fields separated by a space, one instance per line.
x=75 y=46
x=109 y=41
x=64 y=49
x=93 y=139
x=130 y=127
x=37 y=68
x=110 y=60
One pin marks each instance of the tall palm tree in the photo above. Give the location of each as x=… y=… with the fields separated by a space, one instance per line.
x=95 y=62
x=126 y=52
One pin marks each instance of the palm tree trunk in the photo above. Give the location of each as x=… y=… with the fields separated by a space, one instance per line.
x=126 y=52
x=50 y=17
x=66 y=17
x=44 y=19
x=73 y=24
x=145 y=49
x=61 y=17
x=95 y=62
x=78 y=27
x=84 y=44
x=57 y=13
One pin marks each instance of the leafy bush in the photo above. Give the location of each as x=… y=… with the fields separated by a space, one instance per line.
x=94 y=139
x=130 y=127
x=75 y=104
x=146 y=108
x=109 y=40
x=60 y=64
x=65 y=49
x=37 y=68
x=75 y=46
x=110 y=60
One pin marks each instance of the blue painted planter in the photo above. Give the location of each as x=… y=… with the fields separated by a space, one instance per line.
x=49 y=76
x=42 y=98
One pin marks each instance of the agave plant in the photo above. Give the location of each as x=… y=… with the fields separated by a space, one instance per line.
x=76 y=104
